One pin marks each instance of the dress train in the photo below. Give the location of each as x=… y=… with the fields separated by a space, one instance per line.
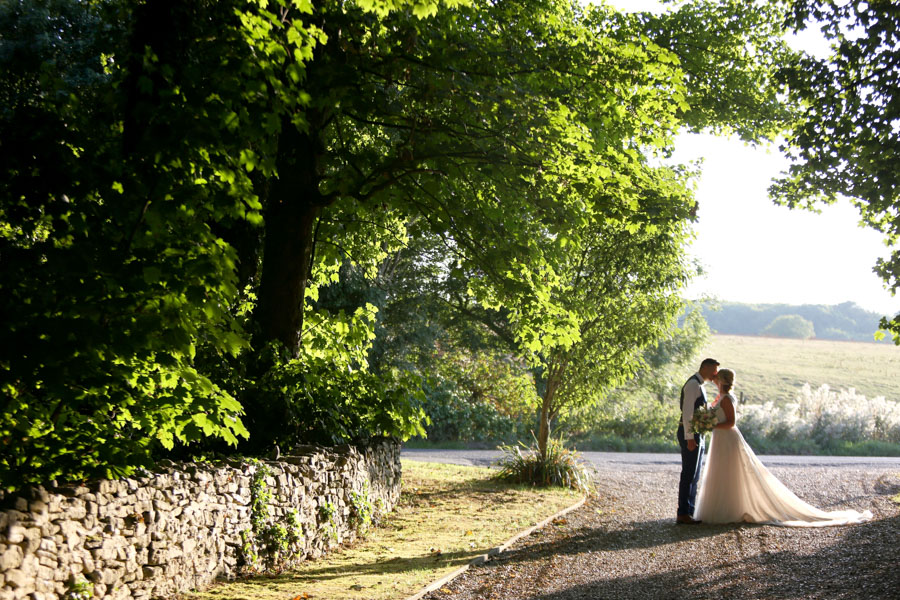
x=736 y=487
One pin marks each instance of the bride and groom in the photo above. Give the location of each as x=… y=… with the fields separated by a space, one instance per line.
x=734 y=486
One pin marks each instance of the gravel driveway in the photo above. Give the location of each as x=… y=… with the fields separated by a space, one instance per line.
x=623 y=543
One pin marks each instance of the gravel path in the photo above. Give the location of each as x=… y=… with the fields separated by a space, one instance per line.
x=623 y=543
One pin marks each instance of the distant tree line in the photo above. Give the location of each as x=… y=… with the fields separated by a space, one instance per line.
x=846 y=321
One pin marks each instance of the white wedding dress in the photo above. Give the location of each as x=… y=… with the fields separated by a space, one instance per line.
x=736 y=487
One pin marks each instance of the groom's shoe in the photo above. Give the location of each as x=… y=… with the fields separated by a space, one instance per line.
x=686 y=520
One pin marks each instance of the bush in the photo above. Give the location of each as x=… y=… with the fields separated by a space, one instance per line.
x=790 y=326
x=630 y=415
x=456 y=419
x=561 y=467
x=612 y=443
x=822 y=421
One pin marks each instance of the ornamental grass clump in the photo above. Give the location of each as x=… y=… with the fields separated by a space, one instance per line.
x=560 y=467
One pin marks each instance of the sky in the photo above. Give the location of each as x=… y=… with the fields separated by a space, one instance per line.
x=755 y=252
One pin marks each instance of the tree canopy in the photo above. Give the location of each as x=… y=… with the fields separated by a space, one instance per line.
x=187 y=186
x=846 y=141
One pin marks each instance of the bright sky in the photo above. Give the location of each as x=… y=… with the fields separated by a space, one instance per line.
x=753 y=251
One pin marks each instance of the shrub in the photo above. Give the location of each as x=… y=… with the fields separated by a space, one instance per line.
x=831 y=419
x=561 y=467
x=790 y=326
x=454 y=418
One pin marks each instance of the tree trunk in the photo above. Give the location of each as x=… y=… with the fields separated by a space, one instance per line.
x=555 y=373
x=293 y=206
x=544 y=425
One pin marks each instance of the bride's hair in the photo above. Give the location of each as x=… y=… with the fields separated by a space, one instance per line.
x=727 y=377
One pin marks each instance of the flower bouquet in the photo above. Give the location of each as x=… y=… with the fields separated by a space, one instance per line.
x=704 y=420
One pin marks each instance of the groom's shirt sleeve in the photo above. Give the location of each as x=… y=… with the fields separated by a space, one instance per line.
x=691 y=393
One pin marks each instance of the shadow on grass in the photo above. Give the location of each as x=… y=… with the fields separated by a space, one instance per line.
x=386 y=568
x=487 y=487
x=484 y=493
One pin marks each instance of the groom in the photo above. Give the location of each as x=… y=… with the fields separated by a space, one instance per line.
x=693 y=396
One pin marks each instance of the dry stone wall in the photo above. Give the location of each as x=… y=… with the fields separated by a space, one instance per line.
x=188 y=524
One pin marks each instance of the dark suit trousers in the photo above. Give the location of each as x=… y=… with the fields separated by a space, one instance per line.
x=691 y=463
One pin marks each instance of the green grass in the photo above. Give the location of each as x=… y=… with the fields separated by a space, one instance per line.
x=775 y=369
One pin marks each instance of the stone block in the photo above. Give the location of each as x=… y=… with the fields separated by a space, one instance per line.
x=161 y=505
x=87 y=561
x=112 y=575
x=46 y=580
x=16 y=578
x=11 y=558
x=76 y=510
x=45 y=559
x=38 y=507
x=49 y=529
x=15 y=534
x=32 y=539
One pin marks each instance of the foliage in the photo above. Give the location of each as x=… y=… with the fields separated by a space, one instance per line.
x=624 y=290
x=320 y=398
x=476 y=396
x=362 y=510
x=79 y=588
x=111 y=275
x=640 y=413
x=790 y=326
x=825 y=416
x=845 y=142
x=184 y=181
x=557 y=466
x=845 y=321
x=327 y=512
x=274 y=542
x=617 y=283
x=731 y=86
x=664 y=363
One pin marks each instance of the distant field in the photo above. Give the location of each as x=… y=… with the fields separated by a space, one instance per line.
x=775 y=368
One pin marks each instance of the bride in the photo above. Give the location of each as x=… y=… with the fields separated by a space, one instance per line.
x=736 y=487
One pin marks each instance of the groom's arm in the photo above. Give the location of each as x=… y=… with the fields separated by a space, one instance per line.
x=691 y=393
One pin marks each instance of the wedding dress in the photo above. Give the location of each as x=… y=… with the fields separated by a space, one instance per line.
x=736 y=487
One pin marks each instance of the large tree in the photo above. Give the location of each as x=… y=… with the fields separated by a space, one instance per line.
x=111 y=274
x=181 y=179
x=847 y=141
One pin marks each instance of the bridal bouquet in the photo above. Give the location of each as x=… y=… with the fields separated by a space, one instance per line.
x=704 y=420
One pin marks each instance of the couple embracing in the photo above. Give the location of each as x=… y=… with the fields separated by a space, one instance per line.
x=732 y=483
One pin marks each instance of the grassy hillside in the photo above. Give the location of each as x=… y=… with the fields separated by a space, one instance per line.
x=775 y=368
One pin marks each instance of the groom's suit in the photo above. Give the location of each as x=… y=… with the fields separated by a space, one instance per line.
x=693 y=396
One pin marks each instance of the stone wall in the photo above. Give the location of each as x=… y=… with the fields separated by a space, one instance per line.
x=188 y=524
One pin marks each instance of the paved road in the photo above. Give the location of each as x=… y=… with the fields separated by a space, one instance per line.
x=643 y=460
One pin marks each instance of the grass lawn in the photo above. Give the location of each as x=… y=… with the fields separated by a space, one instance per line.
x=775 y=368
x=447 y=515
